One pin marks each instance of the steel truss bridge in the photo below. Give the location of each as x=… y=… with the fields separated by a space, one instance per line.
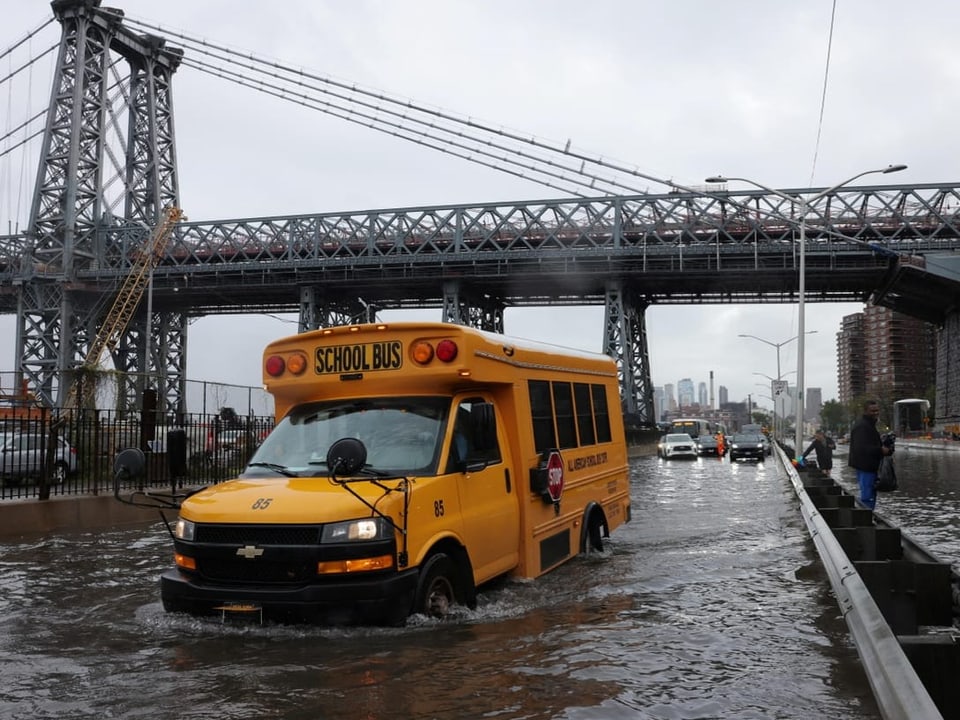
x=623 y=251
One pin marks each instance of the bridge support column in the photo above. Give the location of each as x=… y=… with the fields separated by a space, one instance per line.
x=625 y=340
x=165 y=370
x=459 y=308
x=316 y=311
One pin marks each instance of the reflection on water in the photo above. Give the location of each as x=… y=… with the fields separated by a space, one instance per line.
x=710 y=604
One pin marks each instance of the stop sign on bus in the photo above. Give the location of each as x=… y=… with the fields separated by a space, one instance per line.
x=555 y=476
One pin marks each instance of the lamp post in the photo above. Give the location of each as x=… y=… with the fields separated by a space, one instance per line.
x=802 y=269
x=779 y=374
x=777 y=346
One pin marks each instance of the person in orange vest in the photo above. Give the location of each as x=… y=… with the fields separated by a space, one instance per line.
x=721 y=449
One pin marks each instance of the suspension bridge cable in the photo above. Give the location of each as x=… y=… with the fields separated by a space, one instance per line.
x=13 y=131
x=595 y=181
x=408 y=104
x=26 y=38
x=354 y=117
x=27 y=64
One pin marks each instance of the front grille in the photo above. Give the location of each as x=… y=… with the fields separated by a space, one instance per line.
x=256 y=571
x=259 y=535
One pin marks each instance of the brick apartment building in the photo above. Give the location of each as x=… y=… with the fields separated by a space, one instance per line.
x=885 y=353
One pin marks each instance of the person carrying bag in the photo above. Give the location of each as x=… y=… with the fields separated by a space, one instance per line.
x=886 y=473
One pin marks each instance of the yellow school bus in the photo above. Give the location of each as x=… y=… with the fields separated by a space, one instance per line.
x=411 y=463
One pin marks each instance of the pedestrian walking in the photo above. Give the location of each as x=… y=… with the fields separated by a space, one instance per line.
x=823 y=445
x=866 y=451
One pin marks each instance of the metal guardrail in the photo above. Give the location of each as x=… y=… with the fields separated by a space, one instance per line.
x=899 y=692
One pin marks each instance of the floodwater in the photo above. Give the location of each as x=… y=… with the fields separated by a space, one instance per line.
x=926 y=504
x=710 y=604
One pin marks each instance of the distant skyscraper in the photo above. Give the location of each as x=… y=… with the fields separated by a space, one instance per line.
x=702 y=395
x=658 y=403
x=723 y=396
x=669 y=399
x=685 y=393
x=813 y=404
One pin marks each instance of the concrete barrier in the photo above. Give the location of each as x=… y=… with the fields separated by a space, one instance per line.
x=32 y=518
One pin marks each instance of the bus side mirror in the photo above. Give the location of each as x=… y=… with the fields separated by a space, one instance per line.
x=346 y=456
x=130 y=464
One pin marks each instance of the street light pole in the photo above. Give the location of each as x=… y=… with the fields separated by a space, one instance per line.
x=802 y=268
x=777 y=346
x=774 y=345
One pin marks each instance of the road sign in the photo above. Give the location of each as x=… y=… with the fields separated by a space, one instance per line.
x=779 y=387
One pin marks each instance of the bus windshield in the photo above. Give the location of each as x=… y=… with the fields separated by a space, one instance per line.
x=403 y=435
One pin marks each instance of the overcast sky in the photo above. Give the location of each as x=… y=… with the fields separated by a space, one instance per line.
x=681 y=90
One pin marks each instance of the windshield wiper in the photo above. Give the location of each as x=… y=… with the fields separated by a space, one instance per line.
x=364 y=473
x=282 y=469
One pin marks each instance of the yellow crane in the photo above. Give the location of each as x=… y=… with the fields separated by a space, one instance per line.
x=125 y=304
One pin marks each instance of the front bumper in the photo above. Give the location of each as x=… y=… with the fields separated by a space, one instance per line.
x=382 y=598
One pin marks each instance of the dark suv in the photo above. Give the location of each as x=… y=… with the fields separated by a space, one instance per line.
x=746 y=445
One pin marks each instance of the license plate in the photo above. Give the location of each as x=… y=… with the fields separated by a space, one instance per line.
x=238 y=608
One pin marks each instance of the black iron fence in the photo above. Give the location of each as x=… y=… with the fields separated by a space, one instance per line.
x=45 y=454
x=201 y=396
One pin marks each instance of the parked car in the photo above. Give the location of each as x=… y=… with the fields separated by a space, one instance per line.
x=676 y=445
x=747 y=445
x=22 y=456
x=227 y=441
x=707 y=445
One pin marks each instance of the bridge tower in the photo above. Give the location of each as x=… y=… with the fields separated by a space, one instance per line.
x=625 y=340
x=101 y=129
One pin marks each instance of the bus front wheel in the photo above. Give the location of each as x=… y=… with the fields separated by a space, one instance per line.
x=436 y=591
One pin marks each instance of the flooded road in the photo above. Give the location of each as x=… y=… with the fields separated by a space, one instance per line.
x=926 y=504
x=709 y=604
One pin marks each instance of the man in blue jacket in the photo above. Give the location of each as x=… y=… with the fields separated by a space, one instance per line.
x=866 y=451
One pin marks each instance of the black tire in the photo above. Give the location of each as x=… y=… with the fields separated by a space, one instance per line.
x=437 y=588
x=593 y=537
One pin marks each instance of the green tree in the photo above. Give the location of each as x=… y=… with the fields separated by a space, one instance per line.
x=835 y=417
x=761 y=417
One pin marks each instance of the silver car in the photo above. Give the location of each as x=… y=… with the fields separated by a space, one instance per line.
x=23 y=456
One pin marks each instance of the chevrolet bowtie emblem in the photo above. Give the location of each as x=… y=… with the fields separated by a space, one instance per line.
x=249 y=552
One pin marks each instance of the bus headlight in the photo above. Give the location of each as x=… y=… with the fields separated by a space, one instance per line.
x=184 y=529
x=354 y=530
